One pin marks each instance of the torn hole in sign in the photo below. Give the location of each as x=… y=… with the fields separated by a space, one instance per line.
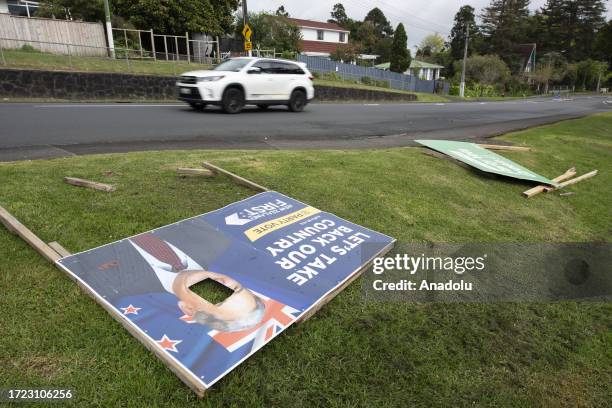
x=230 y=307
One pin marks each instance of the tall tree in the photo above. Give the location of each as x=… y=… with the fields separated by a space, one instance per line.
x=591 y=19
x=465 y=17
x=400 y=55
x=433 y=42
x=270 y=31
x=603 y=44
x=504 y=25
x=338 y=15
x=280 y=11
x=168 y=17
x=570 y=27
x=382 y=26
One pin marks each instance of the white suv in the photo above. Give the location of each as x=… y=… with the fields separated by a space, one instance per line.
x=254 y=81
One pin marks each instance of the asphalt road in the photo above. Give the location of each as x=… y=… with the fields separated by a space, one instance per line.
x=29 y=131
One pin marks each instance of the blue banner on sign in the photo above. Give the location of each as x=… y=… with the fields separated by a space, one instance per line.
x=280 y=257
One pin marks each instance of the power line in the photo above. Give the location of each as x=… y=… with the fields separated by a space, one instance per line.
x=444 y=28
x=406 y=16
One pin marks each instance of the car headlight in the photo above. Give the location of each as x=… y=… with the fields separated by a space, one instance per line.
x=211 y=78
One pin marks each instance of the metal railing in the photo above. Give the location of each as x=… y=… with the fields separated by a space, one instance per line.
x=21 y=53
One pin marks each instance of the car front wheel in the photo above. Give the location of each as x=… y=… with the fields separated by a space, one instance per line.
x=297 y=103
x=233 y=100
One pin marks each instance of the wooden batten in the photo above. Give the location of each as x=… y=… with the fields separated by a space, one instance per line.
x=184 y=171
x=14 y=226
x=57 y=247
x=89 y=184
x=540 y=189
x=577 y=179
x=504 y=147
x=235 y=177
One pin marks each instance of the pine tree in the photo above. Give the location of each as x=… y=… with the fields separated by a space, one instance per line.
x=590 y=20
x=381 y=24
x=570 y=27
x=400 y=55
x=504 y=25
x=338 y=15
x=463 y=18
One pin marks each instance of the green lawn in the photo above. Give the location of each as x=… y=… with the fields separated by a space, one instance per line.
x=353 y=352
x=421 y=97
x=40 y=60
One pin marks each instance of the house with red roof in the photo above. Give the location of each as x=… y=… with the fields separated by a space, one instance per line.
x=320 y=39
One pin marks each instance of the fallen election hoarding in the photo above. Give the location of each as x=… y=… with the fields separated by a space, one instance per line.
x=485 y=160
x=280 y=257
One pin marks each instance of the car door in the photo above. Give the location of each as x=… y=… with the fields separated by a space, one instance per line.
x=259 y=83
x=282 y=79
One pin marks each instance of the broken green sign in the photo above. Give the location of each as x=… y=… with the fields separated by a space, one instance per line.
x=485 y=160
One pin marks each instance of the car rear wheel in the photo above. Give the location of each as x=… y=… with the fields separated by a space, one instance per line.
x=297 y=103
x=233 y=100
x=199 y=106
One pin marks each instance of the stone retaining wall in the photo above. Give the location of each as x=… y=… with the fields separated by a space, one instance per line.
x=20 y=83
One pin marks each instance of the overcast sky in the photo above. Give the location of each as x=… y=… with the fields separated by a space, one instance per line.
x=420 y=17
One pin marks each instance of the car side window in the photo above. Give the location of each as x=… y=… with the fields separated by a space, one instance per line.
x=264 y=66
x=278 y=67
x=294 y=69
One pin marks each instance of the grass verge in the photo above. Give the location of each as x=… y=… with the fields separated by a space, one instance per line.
x=47 y=61
x=352 y=353
x=421 y=97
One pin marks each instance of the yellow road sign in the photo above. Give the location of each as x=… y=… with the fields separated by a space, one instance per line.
x=248 y=46
x=247 y=32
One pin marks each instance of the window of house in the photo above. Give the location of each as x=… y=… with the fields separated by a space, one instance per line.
x=342 y=37
x=320 y=35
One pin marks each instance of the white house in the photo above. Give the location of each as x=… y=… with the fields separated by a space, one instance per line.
x=421 y=69
x=19 y=7
x=318 y=38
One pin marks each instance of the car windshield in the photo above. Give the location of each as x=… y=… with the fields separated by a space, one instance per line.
x=234 y=65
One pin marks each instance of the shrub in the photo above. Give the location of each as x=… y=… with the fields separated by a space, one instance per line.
x=382 y=84
x=288 y=55
x=28 y=48
x=316 y=74
x=366 y=80
x=331 y=76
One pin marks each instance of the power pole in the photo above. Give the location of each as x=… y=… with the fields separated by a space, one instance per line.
x=245 y=20
x=465 y=52
x=109 y=30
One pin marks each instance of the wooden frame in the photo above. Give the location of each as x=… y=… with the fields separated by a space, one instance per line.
x=89 y=184
x=235 y=177
x=184 y=171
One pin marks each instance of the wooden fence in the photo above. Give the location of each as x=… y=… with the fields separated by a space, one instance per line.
x=85 y=39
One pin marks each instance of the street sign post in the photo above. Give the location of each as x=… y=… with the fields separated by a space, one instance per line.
x=247 y=32
x=248 y=46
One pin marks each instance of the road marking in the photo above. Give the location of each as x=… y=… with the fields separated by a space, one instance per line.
x=371 y=104
x=116 y=105
x=440 y=104
x=482 y=103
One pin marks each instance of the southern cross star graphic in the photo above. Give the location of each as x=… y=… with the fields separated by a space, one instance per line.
x=130 y=310
x=167 y=344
